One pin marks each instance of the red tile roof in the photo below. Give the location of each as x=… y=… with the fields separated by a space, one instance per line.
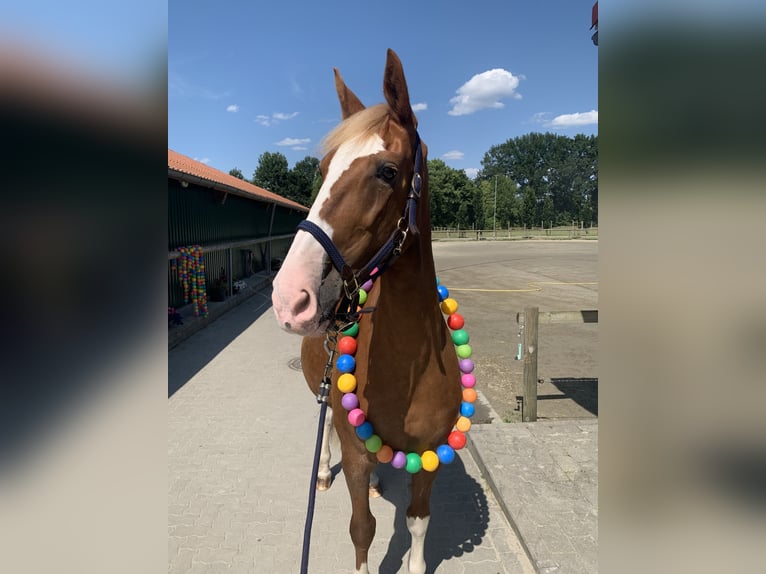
x=180 y=165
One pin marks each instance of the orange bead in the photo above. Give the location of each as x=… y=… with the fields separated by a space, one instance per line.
x=469 y=395
x=463 y=424
x=385 y=454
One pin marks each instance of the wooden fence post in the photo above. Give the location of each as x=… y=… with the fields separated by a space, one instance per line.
x=530 y=364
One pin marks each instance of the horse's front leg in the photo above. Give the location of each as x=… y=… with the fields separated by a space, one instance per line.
x=418 y=515
x=324 y=474
x=357 y=468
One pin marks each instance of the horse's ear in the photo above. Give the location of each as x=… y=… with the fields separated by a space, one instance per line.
x=395 y=90
x=349 y=103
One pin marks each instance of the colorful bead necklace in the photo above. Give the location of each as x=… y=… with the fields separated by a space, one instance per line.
x=192 y=277
x=412 y=462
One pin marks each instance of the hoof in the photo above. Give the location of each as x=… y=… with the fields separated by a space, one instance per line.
x=324 y=483
x=375 y=491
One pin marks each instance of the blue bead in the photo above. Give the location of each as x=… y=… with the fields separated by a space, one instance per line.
x=467 y=409
x=443 y=292
x=364 y=430
x=445 y=453
x=345 y=364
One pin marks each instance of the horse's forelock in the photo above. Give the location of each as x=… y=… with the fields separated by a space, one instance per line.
x=362 y=124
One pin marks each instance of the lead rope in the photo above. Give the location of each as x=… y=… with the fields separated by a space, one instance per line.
x=324 y=392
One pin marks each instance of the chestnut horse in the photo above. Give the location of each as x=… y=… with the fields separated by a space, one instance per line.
x=372 y=210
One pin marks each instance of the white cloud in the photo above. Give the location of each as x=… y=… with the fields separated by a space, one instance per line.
x=471 y=172
x=564 y=121
x=454 y=154
x=293 y=141
x=576 y=119
x=274 y=118
x=299 y=148
x=419 y=107
x=234 y=108
x=283 y=116
x=204 y=160
x=484 y=91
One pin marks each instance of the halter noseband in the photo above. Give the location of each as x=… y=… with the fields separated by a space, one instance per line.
x=386 y=255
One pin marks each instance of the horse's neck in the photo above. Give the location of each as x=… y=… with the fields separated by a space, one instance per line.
x=408 y=290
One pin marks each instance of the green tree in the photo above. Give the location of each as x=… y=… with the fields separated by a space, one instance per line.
x=454 y=198
x=272 y=173
x=499 y=198
x=547 y=214
x=301 y=179
x=562 y=171
x=529 y=208
x=236 y=172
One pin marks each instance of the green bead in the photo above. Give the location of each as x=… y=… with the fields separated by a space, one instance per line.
x=373 y=443
x=413 y=464
x=352 y=331
x=464 y=351
x=362 y=296
x=460 y=337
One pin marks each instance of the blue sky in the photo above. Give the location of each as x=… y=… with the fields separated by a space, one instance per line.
x=249 y=77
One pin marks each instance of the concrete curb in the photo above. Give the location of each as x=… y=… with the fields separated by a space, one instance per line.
x=478 y=459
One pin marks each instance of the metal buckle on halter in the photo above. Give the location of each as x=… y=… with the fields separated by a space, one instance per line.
x=397 y=251
x=417 y=183
x=351 y=291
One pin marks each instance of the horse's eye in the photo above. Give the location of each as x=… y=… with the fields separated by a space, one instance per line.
x=387 y=173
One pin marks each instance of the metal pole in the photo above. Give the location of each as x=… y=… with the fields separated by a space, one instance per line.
x=494 y=216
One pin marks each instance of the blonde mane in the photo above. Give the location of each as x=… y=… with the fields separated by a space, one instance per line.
x=364 y=123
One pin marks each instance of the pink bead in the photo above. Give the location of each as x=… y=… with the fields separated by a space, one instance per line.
x=356 y=417
x=468 y=380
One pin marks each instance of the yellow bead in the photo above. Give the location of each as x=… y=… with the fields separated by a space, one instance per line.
x=347 y=383
x=449 y=306
x=430 y=460
x=463 y=424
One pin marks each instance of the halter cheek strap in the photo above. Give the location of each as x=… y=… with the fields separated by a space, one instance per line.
x=415 y=187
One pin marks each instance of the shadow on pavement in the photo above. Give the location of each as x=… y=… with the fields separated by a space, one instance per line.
x=185 y=360
x=583 y=391
x=459 y=516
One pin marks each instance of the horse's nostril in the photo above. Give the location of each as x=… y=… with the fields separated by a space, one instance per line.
x=302 y=302
x=287 y=326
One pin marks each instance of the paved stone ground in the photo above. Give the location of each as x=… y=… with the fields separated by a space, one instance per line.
x=546 y=476
x=241 y=428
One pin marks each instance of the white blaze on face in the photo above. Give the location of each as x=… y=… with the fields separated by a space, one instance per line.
x=297 y=299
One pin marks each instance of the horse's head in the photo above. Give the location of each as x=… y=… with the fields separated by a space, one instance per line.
x=367 y=172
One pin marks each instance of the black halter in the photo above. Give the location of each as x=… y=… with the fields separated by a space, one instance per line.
x=386 y=255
